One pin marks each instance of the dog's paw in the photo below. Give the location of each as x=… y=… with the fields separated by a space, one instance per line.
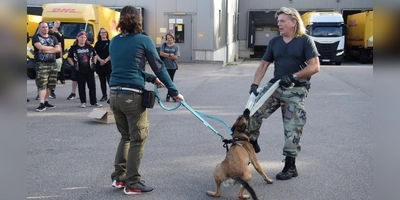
x=269 y=181
x=213 y=194
x=245 y=196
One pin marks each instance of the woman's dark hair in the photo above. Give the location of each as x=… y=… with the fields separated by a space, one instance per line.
x=170 y=34
x=99 y=34
x=130 y=20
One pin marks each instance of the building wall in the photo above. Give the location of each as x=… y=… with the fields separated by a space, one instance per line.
x=273 y=5
x=208 y=35
x=300 y=5
x=213 y=38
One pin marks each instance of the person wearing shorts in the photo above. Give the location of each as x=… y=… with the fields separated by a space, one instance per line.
x=45 y=49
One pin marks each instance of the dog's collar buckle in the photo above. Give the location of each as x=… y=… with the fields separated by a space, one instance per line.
x=237 y=143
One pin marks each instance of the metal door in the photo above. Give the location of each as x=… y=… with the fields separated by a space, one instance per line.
x=181 y=27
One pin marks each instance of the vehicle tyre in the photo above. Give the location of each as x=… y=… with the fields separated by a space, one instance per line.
x=31 y=74
x=338 y=63
x=364 y=56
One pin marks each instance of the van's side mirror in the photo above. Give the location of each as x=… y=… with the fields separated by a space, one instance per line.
x=345 y=29
x=308 y=28
x=90 y=38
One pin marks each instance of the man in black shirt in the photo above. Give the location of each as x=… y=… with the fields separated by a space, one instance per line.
x=45 y=49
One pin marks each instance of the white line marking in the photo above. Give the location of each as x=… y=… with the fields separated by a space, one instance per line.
x=43 y=197
x=74 y=188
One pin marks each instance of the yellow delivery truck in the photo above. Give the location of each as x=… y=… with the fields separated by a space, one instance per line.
x=32 y=22
x=359 y=42
x=75 y=17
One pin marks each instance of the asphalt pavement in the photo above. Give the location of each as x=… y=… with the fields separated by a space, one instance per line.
x=70 y=156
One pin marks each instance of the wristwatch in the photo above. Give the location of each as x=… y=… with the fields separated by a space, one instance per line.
x=294 y=77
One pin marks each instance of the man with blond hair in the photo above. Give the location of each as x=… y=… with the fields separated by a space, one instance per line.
x=295 y=59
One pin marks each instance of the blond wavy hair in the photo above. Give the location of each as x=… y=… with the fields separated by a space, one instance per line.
x=299 y=29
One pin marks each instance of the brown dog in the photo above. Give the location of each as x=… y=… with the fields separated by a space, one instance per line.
x=237 y=160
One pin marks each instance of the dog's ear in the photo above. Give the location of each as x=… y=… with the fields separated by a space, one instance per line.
x=246 y=113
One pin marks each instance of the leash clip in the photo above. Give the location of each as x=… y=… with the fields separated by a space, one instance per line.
x=226 y=142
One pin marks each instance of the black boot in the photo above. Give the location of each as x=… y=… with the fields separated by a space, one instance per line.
x=255 y=145
x=289 y=170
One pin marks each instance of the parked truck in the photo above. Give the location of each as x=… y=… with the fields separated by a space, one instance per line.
x=32 y=22
x=359 y=42
x=76 y=17
x=328 y=32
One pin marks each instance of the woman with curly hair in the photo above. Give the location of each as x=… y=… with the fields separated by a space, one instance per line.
x=129 y=52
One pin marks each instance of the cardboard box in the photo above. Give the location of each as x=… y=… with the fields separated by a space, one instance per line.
x=102 y=115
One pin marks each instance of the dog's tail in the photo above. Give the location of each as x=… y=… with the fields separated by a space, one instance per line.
x=247 y=187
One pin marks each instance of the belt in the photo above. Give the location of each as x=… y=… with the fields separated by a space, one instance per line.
x=126 y=89
x=120 y=94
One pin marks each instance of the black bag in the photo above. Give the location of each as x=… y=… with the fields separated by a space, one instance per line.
x=148 y=98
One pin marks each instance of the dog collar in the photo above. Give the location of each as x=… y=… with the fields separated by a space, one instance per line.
x=235 y=139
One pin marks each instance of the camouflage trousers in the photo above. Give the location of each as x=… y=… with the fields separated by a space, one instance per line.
x=291 y=102
x=46 y=75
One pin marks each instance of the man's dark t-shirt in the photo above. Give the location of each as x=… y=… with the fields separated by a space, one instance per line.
x=59 y=39
x=45 y=41
x=289 y=57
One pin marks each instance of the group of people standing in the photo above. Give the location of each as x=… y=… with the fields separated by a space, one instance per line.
x=86 y=60
x=83 y=59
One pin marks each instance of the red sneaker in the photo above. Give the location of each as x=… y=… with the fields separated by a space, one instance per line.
x=118 y=184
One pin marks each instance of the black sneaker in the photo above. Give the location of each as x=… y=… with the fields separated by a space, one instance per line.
x=47 y=105
x=97 y=105
x=37 y=97
x=104 y=98
x=140 y=188
x=52 y=96
x=71 y=96
x=41 y=108
x=62 y=81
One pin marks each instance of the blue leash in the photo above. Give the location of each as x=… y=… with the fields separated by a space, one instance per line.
x=196 y=113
